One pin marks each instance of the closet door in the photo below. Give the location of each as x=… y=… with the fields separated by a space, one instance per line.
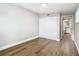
x=49 y=28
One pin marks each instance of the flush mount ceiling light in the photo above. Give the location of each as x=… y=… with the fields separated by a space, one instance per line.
x=44 y=5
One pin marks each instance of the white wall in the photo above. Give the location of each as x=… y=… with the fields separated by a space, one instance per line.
x=73 y=27
x=16 y=24
x=77 y=35
x=77 y=29
x=49 y=27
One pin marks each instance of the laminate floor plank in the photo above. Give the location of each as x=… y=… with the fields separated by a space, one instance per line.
x=43 y=47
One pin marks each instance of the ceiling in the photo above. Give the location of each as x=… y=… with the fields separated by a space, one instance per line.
x=63 y=8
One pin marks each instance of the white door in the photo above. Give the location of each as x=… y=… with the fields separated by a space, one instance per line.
x=49 y=27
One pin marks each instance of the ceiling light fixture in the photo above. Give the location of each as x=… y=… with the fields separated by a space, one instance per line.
x=44 y=4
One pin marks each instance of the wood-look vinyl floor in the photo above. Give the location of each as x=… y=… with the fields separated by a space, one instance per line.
x=43 y=47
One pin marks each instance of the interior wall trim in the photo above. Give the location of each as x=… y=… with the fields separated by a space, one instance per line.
x=20 y=42
x=75 y=43
x=48 y=38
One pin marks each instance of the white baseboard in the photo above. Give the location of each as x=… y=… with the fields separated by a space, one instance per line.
x=8 y=46
x=77 y=47
x=75 y=43
x=49 y=38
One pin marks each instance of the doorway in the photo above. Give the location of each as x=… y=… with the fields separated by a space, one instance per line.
x=66 y=26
